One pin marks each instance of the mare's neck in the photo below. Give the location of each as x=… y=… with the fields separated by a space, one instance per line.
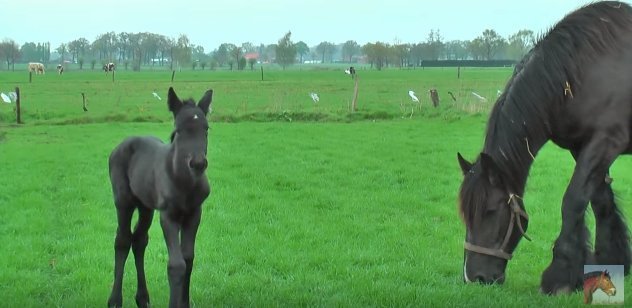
x=513 y=144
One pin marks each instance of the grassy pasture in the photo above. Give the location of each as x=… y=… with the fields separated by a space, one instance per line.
x=333 y=212
x=283 y=95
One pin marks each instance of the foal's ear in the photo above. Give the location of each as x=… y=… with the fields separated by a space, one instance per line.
x=173 y=101
x=205 y=101
x=466 y=166
x=489 y=169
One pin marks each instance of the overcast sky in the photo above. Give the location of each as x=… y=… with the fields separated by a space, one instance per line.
x=211 y=22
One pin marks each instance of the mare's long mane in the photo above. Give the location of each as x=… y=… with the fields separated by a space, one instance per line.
x=519 y=123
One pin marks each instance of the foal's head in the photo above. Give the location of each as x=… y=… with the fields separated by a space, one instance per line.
x=190 y=137
x=494 y=218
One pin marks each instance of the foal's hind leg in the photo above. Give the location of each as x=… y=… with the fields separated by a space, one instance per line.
x=122 y=245
x=140 y=238
x=612 y=240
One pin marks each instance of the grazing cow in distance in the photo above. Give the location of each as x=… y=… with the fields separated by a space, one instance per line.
x=36 y=67
x=60 y=69
x=109 y=67
x=351 y=71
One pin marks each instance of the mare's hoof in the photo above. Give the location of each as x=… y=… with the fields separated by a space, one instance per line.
x=557 y=279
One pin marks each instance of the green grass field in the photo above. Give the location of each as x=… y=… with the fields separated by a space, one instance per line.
x=311 y=205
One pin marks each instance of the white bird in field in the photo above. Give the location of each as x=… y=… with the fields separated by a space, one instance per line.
x=480 y=98
x=348 y=72
x=314 y=97
x=5 y=98
x=156 y=96
x=412 y=95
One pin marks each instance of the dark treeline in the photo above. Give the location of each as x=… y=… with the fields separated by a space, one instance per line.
x=135 y=50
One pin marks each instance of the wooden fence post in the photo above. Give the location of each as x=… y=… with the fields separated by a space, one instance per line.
x=354 y=103
x=17 y=106
x=173 y=74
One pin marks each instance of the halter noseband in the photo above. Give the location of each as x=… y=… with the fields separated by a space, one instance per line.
x=516 y=212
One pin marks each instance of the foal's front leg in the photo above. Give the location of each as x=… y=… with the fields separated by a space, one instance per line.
x=189 y=230
x=176 y=268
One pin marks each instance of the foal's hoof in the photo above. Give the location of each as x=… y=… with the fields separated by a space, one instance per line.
x=115 y=303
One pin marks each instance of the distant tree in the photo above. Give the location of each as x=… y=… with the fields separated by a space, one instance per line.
x=434 y=44
x=45 y=50
x=81 y=61
x=519 y=44
x=377 y=54
x=231 y=62
x=222 y=54
x=93 y=63
x=241 y=64
x=456 y=50
x=401 y=53
x=349 y=49
x=285 y=51
x=269 y=53
x=301 y=49
x=105 y=45
x=194 y=64
x=476 y=48
x=325 y=49
x=10 y=52
x=248 y=47
x=252 y=62
x=236 y=55
x=62 y=49
x=29 y=52
x=182 y=50
x=203 y=64
x=492 y=43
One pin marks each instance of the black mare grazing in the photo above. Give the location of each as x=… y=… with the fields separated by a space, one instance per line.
x=148 y=175
x=575 y=89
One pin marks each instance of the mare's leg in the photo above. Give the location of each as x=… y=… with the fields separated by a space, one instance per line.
x=571 y=249
x=177 y=267
x=189 y=230
x=140 y=238
x=122 y=245
x=612 y=240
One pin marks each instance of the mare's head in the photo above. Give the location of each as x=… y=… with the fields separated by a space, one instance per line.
x=494 y=219
x=190 y=137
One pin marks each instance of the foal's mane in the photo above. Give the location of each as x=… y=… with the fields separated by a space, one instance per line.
x=535 y=91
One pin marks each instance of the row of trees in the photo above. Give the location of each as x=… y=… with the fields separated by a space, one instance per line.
x=144 y=48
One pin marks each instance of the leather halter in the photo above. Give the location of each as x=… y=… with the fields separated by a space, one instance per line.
x=516 y=212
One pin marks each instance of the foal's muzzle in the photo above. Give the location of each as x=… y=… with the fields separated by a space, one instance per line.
x=198 y=165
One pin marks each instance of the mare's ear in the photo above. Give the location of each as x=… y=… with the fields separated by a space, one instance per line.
x=490 y=169
x=466 y=166
x=205 y=101
x=173 y=101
